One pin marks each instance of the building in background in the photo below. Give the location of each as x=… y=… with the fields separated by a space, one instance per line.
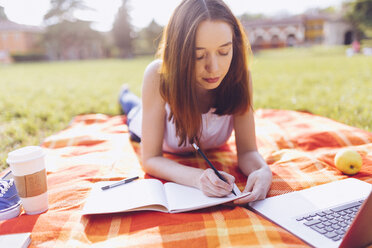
x=17 y=38
x=73 y=40
x=76 y=40
x=300 y=30
x=28 y=43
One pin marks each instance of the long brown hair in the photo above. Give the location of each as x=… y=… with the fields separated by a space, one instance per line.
x=178 y=79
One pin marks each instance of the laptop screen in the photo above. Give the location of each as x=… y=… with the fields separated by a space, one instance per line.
x=360 y=230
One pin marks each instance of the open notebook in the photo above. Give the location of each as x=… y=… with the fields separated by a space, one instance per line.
x=17 y=240
x=151 y=194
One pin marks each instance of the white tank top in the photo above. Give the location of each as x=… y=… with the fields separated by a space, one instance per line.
x=216 y=131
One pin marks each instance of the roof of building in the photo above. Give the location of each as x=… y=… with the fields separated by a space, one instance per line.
x=274 y=21
x=290 y=20
x=12 y=26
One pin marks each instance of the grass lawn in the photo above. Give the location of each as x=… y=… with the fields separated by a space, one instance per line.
x=39 y=99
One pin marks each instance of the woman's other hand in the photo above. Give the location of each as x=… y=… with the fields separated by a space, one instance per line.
x=258 y=183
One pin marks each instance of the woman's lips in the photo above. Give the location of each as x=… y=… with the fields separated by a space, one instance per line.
x=211 y=80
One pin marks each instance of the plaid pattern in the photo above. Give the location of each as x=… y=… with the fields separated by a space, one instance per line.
x=299 y=148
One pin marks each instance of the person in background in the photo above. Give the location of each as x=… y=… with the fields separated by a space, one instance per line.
x=199 y=91
x=356 y=46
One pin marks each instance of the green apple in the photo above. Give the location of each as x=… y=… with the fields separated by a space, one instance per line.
x=348 y=161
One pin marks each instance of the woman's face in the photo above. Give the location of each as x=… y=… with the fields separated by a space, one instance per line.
x=214 y=51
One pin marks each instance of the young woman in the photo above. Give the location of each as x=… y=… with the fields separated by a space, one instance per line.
x=198 y=92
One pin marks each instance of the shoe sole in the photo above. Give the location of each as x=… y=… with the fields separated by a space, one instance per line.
x=11 y=212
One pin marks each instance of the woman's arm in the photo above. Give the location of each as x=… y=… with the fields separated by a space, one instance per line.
x=153 y=124
x=250 y=161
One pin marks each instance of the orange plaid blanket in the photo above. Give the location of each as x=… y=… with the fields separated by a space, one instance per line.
x=299 y=147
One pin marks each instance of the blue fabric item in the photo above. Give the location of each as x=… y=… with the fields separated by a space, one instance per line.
x=128 y=101
x=130 y=105
x=10 y=203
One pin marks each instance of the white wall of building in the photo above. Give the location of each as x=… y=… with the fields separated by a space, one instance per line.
x=334 y=32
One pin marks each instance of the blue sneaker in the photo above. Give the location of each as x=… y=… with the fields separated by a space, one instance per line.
x=128 y=100
x=10 y=203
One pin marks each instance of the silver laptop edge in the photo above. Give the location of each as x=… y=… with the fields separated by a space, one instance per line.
x=284 y=209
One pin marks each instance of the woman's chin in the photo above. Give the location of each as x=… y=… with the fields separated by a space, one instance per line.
x=209 y=86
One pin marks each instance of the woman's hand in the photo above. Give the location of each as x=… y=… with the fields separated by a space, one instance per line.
x=211 y=185
x=258 y=183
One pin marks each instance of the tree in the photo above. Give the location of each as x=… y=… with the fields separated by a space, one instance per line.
x=250 y=17
x=66 y=36
x=122 y=31
x=328 y=10
x=148 y=39
x=153 y=34
x=3 y=16
x=359 y=13
x=73 y=40
x=63 y=10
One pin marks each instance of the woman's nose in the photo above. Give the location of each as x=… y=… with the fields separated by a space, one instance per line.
x=211 y=63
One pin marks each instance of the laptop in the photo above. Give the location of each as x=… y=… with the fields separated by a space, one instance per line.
x=336 y=214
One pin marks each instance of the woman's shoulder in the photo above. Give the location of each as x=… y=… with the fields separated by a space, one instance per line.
x=153 y=68
x=151 y=76
x=151 y=81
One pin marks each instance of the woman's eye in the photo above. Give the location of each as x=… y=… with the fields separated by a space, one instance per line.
x=224 y=53
x=200 y=57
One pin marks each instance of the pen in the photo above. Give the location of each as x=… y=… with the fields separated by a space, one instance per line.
x=211 y=165
x=127 y=180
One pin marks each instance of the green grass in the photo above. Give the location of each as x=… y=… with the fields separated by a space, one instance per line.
x=322 y=81
x=39 y=99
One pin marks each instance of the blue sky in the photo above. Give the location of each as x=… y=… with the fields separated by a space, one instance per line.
x=31 y=12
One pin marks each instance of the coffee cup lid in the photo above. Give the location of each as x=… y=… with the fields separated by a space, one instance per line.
x=24 y=154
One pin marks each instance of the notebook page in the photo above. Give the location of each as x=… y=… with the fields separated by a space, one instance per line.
x=18 y=240
x=143 y=194
x=184 y=198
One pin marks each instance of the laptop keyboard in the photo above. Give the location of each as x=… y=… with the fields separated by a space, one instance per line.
x=334 y=222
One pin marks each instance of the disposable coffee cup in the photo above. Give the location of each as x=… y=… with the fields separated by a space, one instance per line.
x=28 y=168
